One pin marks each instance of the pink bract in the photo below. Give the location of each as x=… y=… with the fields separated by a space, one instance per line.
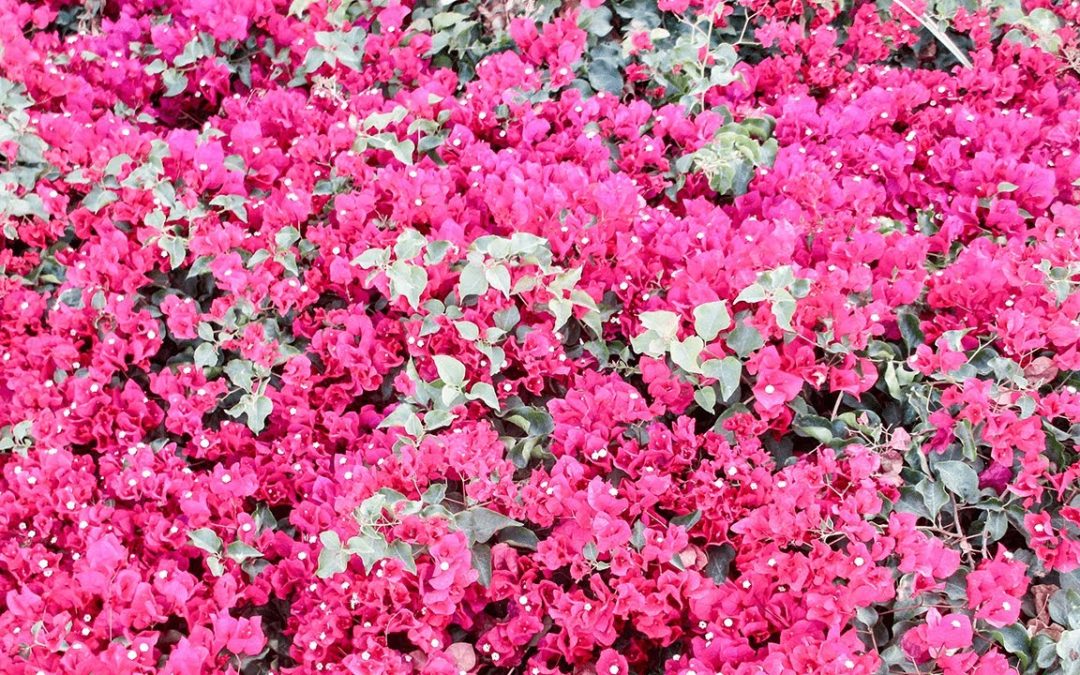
x=613 y=337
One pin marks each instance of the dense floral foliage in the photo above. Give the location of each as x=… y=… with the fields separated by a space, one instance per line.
x=668 y=337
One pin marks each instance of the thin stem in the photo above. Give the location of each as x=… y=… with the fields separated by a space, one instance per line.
x=937 y=33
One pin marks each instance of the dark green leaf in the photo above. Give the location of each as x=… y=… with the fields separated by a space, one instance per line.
x=960 y=479
x=605 y=75
x=688 y=520
x=481 y=562
x=909 y=329
x=520 y=537
x=719 y=562
x=479 y=524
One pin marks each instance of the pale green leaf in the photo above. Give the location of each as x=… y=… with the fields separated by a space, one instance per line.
x=259 y=408
x=408 y=280
x=239 y=551
x=685 y=353
x=486 y=393
x=409 y=245
x=727 y=372
x=333 y=559
x=665 y=323
x=206 y=539
x=752 y=293
x=473 y=280
x=711 y=318
x=451 y=371
x=206 y=355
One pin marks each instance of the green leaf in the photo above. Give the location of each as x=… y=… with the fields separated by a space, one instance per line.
x=480 y=524
x=239 y=551
x=933 y=495
x=233 y=203
x=403 y=552
x=706 y=398
x=399 y=417
x=436 y=251
x=498 y=359
x=533 y=421
x=719 y=561
x=1013 y=638
x=298 y=7
x=435 y=493
x=781 y=277
x=258 y=410
x=240 y=373
x=286 y=237
x=451 y=371
x=373 y=257
x=175 y=82
x=370 y=547
x=472 y=281
x=666 y=324
x=783 y=308
x=1068 y=649
x=711 y=318
x=206 y=355
x=498 y=277
x=685 y=353
x=437 y=419
x=687 y=521
x=257 y=258
x=800 y=288
x=562 y=309
x=205 y=539
x=605 y=75
x=909 y=329
x=333 y=559
x=815 y=427
x=996 y=525
x=450 y=394
x=752 y=294
x=486 y=393
x=409 y=245
x=176 y=247
x=72 y=297
x=98 y=198
x=264 y=519
x=1065 y=608
x=408 y=280
x=727 y=371
x=596 y=21
x=745 y=339
x=217 y=568
x=468 y=330
x=1044 y=23
x=380 y=120
x=960 y=479
x=507 y=319
x=402 y=150
x=481 y=562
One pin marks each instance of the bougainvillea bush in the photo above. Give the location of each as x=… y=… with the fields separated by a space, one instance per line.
x=475 y=337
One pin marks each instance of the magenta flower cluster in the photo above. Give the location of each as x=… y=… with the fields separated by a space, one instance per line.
x=359 y=337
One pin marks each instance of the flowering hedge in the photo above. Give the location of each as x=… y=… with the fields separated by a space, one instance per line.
x=526 y=337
